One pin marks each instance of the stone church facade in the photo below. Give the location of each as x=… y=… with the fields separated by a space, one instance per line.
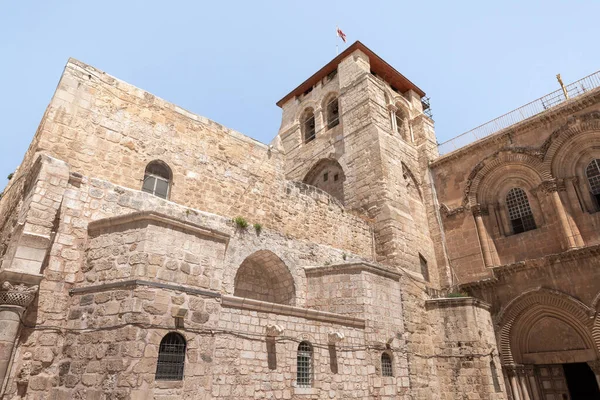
x=150 y=253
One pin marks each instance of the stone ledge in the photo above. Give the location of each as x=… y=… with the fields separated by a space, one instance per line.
x=352 y=267
x=160 y=218
x=447 y=302
x=137 y=282
x=282 y=309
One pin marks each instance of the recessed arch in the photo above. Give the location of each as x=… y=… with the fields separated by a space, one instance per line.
x=331 y=110
x=308 y=125
x=264 y=276
x=526 y=311
x=328 y=175
x=507 y=164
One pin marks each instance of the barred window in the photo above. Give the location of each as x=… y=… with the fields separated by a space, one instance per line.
x=386 y=365
x=171 y=358
x=308 y=125
x=304 y=365
x=593 y=176
x=333 y=118
x=519 y=211
x=157 y=179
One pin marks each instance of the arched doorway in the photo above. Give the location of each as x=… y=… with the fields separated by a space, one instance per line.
x=263 y=276
x=546 y=346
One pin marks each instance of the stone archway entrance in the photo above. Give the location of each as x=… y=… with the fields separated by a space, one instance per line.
x=548 y=349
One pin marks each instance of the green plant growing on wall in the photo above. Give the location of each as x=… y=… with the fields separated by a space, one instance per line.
x=9 y=177
x=344 y=256
x=258 y=228
x=240 y=222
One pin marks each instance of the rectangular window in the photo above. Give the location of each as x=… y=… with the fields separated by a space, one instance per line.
x=325 y=177
x=424 y=268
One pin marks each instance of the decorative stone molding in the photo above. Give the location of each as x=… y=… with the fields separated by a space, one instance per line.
x=335 y=337
x=551 y=186
x=560 y=303
x=448 y=212
x=274 y=330
x=17 y=295
x=479 y=209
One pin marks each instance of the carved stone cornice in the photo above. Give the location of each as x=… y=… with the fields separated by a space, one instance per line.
x=17 y=295
x=479 y=209
x=551 y=186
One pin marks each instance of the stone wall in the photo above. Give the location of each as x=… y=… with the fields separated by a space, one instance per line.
x=107 y=129
x=546 y=156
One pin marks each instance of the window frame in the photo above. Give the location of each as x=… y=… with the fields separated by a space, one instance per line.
x=519 y=211
x=168 y=179
x=332 y=118
x=594 y=187
x=307 y=116
x=387 y=368
x=170 y=365
x=304 y=375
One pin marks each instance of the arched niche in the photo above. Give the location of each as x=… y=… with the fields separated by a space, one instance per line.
x=327 y=175
x=264 y=276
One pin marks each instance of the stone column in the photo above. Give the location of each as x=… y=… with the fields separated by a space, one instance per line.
x=533 y=386
x=13 y=302
x=515 y=388
x=392 y=111
x=568 y=228
x=524 y=383
x=484 y=238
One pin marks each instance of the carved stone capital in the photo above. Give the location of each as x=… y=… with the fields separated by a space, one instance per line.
x=335 y=337
x=274 y=330
x=551 y=186
x=479 y=209
x=392 y=107
x=17 y=295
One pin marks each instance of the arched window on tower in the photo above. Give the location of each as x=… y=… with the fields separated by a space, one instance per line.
x=333 y=117
x=401 y=124
x=308 y=125
x=304 y=370
x=157 y=179
x=386 y=364
x=592 y=173
x=519 y=211
x=171 y=358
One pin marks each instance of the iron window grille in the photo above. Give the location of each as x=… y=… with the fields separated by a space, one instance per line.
x=519 y=211
x=171 y=358
x=304 y=365
x=157 y=180
x=593 y=176
x=386 y=365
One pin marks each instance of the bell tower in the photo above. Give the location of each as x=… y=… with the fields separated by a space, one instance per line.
x=357 y=129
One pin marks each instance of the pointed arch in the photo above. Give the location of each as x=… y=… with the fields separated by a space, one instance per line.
x=264 y=276
x=412 y=183
x=538 y=308
x=331 y=110
x=328 y=175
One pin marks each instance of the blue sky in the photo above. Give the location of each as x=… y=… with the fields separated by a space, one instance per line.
x=231 y=61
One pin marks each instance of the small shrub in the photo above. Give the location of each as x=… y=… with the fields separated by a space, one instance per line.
x=327 y=263
x=9 y=177
x=344 y=256
x=457 y=294
x=258 y=228
x=241 y=222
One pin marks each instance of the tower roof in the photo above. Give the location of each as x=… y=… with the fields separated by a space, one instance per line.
x=378 y=66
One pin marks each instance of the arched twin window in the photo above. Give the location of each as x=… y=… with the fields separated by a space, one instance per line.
x=333 y=113
x=401 y=124
x=171 y=358
x=386 y=364
x=307 y=123
x=519 y=211
x=157 y=179
x=592 y=173
x=304 y=365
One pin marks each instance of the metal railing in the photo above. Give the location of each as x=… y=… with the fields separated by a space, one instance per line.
x=528 y=110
